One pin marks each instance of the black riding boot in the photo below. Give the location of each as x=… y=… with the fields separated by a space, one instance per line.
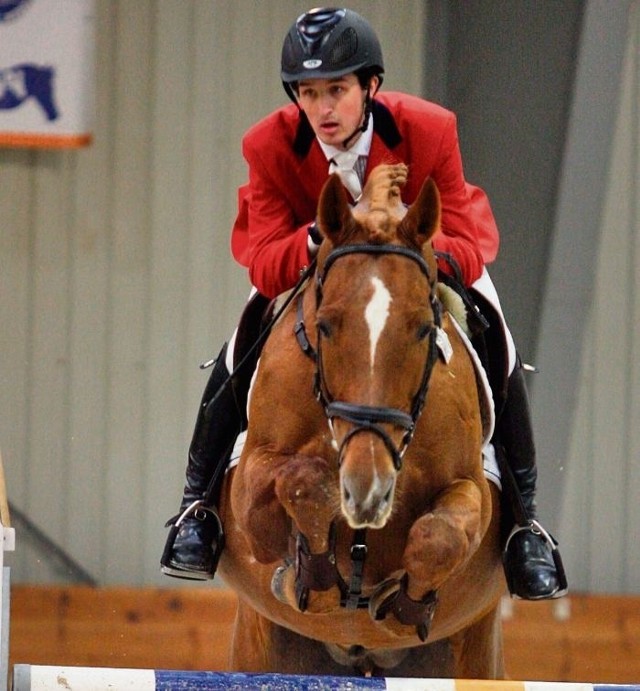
x=196 y=538
x=532 y=563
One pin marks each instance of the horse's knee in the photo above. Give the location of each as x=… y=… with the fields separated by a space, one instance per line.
x=434 y=549
x=305 y=490
x=302 y=480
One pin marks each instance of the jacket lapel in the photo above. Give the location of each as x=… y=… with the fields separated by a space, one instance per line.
x=386 y=145
x=385 y=125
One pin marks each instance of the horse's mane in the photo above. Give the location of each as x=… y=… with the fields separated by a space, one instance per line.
x=381 y=204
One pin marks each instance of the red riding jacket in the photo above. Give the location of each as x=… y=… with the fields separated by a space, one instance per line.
x=287 y=170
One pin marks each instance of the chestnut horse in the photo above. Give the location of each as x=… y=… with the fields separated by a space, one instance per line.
x=362 y=534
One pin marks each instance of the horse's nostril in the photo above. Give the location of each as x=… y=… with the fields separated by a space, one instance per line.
x=347 y=494
x=387 y=496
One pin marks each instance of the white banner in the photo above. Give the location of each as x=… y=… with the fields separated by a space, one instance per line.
x=46 y=73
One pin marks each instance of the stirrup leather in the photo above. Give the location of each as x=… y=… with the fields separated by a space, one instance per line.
x=199 y=510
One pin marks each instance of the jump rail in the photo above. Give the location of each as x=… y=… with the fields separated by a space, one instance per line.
x=43 y=678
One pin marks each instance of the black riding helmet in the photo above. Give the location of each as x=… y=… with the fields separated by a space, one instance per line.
x=329 y=42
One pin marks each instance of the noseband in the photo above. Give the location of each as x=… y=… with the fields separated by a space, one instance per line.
x=365 y=418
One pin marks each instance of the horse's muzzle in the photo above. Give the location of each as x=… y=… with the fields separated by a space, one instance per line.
x=366 y=502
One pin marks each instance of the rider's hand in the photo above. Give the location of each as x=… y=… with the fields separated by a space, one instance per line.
x=314 y=239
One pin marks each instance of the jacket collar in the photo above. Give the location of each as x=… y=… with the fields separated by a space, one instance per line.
x=383 y=125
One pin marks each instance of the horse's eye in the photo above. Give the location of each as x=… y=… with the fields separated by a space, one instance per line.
x=424 y=330
x=324 y=328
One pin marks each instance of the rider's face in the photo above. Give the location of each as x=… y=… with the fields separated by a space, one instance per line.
x=334 y=107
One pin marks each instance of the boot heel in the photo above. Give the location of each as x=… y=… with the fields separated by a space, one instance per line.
x=563 y=584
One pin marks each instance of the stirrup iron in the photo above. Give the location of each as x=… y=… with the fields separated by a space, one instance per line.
x=535 y=527
x=199 y=510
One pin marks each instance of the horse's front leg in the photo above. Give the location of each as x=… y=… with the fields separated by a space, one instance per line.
x=257 y=510
x=443 y=540
x=270 y=491
x=305 y=487
x=439 y=544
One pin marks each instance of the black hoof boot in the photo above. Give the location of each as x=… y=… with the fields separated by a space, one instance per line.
x=194 y=544
x=532 y=564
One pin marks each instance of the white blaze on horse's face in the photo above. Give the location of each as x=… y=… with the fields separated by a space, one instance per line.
x=367 y=487
x=376 y=314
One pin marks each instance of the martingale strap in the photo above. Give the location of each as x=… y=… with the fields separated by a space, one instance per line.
x=352 y=597
x=319 y=572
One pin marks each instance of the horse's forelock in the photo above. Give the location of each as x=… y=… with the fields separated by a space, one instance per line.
x=376 y=216
x=381 y=208
x=380 y=226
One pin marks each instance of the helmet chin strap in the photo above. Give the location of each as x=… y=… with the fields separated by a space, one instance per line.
x=365 y=121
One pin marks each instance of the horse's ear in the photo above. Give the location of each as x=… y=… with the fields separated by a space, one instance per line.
x=423 y=217
x=334 y=212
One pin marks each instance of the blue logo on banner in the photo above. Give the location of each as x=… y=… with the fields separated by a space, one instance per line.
x=20 y=82
x=9 y=9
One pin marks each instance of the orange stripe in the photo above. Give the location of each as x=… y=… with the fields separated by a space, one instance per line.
x=484 y=685
x=44 y=141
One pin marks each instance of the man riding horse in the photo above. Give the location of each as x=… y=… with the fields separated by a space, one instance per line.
x=332 y=69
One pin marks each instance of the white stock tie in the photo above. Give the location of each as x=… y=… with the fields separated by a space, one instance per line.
x=343 y=163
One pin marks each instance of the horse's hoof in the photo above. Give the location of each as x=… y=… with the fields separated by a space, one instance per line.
x=381 y=602
x=391 y=597
x=278 y=583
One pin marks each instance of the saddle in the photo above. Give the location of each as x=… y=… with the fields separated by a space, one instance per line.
x=484 y=327
x=481 y=323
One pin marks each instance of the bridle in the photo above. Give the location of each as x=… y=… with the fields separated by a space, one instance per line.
x=366 y=418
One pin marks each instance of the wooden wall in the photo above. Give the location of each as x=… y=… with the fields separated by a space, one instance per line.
x=580 y=638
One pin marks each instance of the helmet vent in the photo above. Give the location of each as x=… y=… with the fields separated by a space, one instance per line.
x=315 y=27
x=345 y=47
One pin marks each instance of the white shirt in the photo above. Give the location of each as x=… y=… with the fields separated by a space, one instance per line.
x=362 y=147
